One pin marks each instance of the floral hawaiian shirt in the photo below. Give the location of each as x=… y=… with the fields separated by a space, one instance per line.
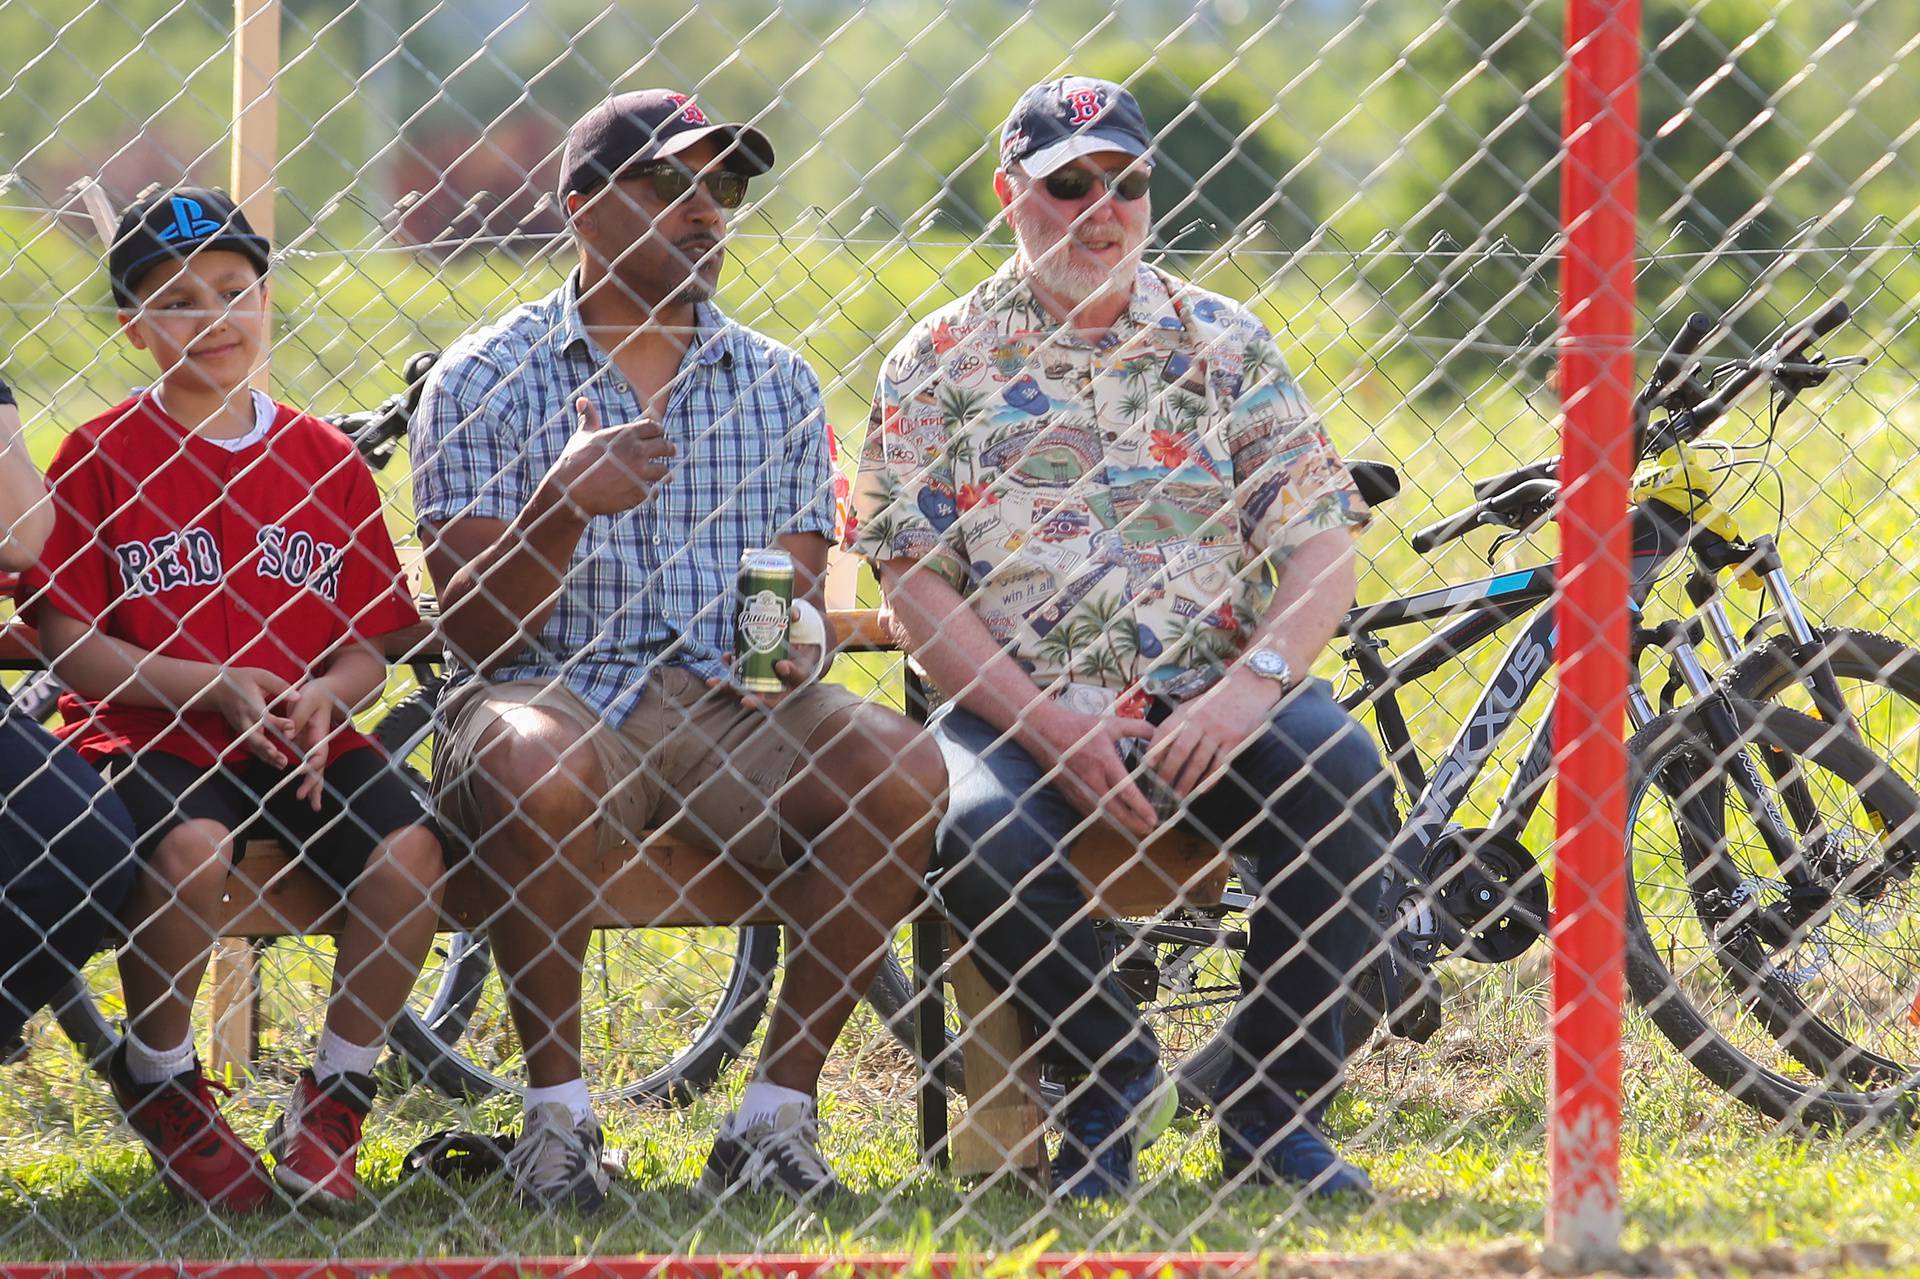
x=1108 y=511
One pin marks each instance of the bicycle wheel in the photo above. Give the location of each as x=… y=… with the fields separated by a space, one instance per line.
x=663 y=1012
x=1790 y=988
x=408 y=723
x=1879 y=678
x=893 y=998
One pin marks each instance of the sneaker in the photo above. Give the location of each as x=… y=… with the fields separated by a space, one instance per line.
x=1105 y=1128
x=781 y=1153
x=1259 y=1150
x=199 y=1156
x=315 y=1143
x=557 y=1162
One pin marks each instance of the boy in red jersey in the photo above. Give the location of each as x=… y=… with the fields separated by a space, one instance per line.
x=213 y=590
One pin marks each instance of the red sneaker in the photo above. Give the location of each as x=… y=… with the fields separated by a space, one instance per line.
x=200 y=1157
x=316 y=1140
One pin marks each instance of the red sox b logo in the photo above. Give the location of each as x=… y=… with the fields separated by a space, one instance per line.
x=1085 y=104
x=688 y=111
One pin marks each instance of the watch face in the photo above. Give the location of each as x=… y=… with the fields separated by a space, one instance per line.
x=1269 y=663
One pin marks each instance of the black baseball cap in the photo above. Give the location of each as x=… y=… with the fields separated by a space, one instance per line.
x=168 y=223
x=651 y=124
x=1073 y=116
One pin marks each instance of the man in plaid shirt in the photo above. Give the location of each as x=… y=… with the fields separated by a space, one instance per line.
x=587 y=472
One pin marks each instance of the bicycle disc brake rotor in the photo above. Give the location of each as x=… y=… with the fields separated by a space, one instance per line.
x=1491 y=895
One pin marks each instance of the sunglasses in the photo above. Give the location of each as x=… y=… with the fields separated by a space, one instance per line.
x=671 y=181
x=1073 y=184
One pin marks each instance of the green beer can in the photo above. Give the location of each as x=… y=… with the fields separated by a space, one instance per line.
x=760 y=627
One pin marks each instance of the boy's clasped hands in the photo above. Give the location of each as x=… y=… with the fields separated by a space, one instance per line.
x=286 y=725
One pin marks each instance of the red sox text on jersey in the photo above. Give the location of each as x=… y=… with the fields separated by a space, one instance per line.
x=192 y=558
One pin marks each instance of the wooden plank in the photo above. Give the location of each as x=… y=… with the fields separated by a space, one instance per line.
x=1003 y=1128
x=256 y=109
x=233 y=995
x=256 y=144
x=861 y=630
x=671 y=884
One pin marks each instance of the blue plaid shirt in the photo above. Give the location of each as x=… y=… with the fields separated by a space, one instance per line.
x=654 y=584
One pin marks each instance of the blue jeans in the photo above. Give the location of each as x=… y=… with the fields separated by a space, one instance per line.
x=1305 y=808
x=66 y=863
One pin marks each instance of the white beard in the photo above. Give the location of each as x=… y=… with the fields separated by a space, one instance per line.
x=1073 y=282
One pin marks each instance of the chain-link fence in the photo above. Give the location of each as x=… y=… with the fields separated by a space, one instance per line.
x=1081 y=419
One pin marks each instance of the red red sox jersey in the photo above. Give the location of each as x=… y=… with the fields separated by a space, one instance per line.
x=271 y=556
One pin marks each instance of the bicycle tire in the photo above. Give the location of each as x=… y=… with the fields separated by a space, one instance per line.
x=451 y=1065
x=80 y=1019
x=1890 y=668
x=1754 y=1044
x=892 y=997
x=408 y=722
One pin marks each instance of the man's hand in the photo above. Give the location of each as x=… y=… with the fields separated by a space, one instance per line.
x=1091 y=774
x=801 y=664
x=1201 y=737
x=314 y=712
x=605 y=470
x=243 y=697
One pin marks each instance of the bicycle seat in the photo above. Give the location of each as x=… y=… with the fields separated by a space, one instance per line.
x=1376 y=481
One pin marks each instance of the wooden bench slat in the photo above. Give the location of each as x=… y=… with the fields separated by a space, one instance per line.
x=859 y=630
x=672 y=884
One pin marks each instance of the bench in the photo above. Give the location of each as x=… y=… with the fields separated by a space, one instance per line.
x=665 y=883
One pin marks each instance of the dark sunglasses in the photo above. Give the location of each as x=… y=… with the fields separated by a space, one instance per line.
x=1073 y=184
x=672 y=180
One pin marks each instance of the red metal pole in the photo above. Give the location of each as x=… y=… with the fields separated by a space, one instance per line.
x=1597 y=203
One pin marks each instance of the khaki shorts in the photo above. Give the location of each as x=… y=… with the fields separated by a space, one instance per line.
x=688 y=756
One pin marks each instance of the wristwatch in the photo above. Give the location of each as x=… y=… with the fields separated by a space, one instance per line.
x=1267 y=663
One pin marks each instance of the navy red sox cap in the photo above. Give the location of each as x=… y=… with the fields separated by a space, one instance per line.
x=169 y=223
x=651 y=124
x=1073 y=116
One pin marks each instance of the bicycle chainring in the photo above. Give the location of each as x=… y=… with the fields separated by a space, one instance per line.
x=1490 y=895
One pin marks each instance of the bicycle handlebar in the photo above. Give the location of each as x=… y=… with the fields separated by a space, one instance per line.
x=1678 y=352
x=1689 y=424
x=376 y=431
x=1500 y=495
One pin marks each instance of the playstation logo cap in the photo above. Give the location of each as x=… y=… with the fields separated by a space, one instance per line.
x=1067 y=118
x=169 y=223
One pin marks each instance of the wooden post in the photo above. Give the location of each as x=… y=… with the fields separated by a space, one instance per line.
x=256 y=126
x=1003 y=1127
x=256 y=108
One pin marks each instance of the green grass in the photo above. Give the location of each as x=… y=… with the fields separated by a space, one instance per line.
x=1452 y=1132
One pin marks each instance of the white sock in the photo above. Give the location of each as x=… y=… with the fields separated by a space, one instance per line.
x=762 y=1101
x=336 y=1056
x=572 y=1094
x=150 y=1066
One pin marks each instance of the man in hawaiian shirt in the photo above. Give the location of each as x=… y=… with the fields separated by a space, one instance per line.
x=1089 y=488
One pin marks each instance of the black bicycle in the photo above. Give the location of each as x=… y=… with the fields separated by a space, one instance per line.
x=1772 y=816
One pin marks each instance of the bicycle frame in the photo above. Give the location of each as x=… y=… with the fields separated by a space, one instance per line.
x=1474 y=611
